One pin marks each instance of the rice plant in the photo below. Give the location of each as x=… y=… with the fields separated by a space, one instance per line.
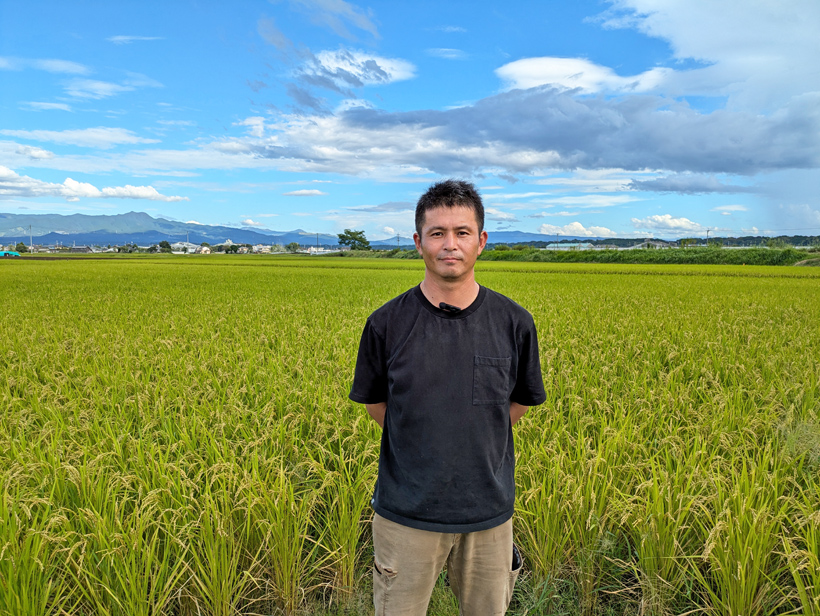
x=176 y=437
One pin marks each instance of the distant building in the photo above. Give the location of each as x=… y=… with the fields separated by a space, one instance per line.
x=81 y=249
x=203 y=250
x=260 y=249
x=184 y=247
x=649 y=244
x=570 y=246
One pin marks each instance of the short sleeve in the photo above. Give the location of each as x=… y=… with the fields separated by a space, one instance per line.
x=529 y=384
x=370 y=378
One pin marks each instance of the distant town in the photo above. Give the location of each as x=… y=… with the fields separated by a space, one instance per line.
x=229 y=247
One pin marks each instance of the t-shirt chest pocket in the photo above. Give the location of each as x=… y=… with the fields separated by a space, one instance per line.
x=491 y=379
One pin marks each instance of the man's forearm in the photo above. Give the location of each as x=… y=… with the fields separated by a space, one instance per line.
x=377 y=411
x=517 y=411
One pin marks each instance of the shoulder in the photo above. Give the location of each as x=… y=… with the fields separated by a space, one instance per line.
x=399 y=305
x=499 y=303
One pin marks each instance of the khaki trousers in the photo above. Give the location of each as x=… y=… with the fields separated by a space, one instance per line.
x=408 y=562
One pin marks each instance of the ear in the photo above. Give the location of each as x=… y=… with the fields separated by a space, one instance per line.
x=417 y=240
x=482 y=241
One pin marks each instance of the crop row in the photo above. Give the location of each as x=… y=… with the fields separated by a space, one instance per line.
x=177 y=438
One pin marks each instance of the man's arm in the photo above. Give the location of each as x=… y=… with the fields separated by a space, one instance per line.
x=517 y=411
x=378 y=410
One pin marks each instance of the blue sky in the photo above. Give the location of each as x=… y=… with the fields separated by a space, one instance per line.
x=626 y=118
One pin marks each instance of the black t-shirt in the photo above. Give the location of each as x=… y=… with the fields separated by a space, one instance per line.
x=447 y=462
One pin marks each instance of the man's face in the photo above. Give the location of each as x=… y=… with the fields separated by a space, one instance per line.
x=450 y=242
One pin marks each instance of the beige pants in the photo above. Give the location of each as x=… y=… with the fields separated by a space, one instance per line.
x=408 y=562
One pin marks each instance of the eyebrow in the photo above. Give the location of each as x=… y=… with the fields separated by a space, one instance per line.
x=458 y=228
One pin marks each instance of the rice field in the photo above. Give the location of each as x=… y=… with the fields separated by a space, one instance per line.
x=176 y=438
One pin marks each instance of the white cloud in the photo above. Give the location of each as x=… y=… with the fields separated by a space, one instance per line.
x=343 y=68
x=545 y=199
x=447 y=54
x=138 y=192
x=506 y=196
x=251 y=223
x=48 y=65
x=546 y=214
x=562 y=132
x=687 y=184
x=37 y=106
x=572 y=73
x=14 y=185
x=669 y=224
x=176 y=122
x=337 y=15
x=34 y=153
x=591 y=180
x=389 y=206
x=92 y=88
x=99 y=137
x=353 y=103
x=304 y=193
x=759 y=54
x=728 y=210
x=255 y=124
x=122 y=39
x=495 y=214
x=389 y=230
x=577 y=229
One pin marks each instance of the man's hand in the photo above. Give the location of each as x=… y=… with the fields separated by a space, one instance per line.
x=517 y=411
x=378 y=410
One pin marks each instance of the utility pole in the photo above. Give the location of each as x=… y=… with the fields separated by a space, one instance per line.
x=317 y=243
x=30 y=240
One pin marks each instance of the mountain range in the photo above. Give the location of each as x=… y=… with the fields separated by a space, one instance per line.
x=144 y=230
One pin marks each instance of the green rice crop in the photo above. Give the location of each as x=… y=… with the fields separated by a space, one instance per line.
x=176 y=437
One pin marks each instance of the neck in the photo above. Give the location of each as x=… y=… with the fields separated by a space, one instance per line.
x=460 y=294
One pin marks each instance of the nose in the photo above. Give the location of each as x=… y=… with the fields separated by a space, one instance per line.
x=450 y=241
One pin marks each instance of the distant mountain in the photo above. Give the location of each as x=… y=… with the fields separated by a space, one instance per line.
x=144 y=230
x=138 y=228
x=498 y=237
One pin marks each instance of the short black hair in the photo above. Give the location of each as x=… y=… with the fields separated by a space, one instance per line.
x=450 y=193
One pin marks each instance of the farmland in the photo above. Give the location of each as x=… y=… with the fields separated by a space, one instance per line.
x=176 y=437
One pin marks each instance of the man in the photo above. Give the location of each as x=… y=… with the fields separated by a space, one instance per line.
x=446 y=369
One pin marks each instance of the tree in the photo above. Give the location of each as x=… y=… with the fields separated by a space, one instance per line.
x=164 y=246
x=355 y=239
x=21 y=247
x=292 y=247
x=772 y=242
